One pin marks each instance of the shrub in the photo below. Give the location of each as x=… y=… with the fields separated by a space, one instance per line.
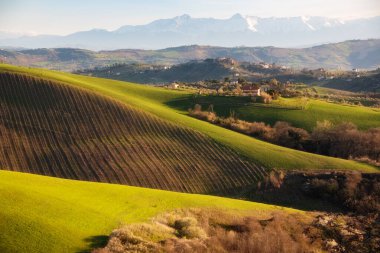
x=289 y=136
x=187 y=227
x=350 y=190
x=279 y=232
x=203 y=115
x=343 y=140
x=265 y=98
x=346 y=141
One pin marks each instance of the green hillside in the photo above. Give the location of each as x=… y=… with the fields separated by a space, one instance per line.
x=315 y=110
x=300 y=112
x=155 y=100
x=53 y=129
x=43 y=214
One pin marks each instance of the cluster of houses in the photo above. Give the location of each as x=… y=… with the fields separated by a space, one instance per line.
x=265 y=65
x=321 y=74
x=231 y=88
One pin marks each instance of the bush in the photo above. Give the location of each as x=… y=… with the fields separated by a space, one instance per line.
x=346 y=141
x=188 y=227
x=289 y=136
x=203 y=115
x=279 y=232
x=265 y=98
x=350 y=190
x=343 y=140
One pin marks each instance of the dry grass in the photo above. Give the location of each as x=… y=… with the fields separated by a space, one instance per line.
x=226 y=232
x=221 y=232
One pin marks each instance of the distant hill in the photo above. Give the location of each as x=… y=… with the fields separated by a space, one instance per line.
x=217 y=69
x=368 y=82
x=192 y=71
x=185 y=30
x=344 y=55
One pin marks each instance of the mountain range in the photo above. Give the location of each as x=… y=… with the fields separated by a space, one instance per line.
x=363 y=54
x=235 y=31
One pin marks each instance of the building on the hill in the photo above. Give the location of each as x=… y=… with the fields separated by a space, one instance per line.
x=256 y=92
x=173 y=86
x=251 y=90
x=265 y=87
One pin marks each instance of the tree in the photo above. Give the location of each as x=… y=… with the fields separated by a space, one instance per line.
x=274 y=82
x=241 y=80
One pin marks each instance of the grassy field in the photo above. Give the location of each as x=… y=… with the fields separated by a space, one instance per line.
x=53 y=129
x=300 y=112
x=44 y=214
x=314 y=111
x=158 y=101
x=329 y=91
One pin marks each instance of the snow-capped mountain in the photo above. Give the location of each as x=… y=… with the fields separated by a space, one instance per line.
x=235 y=31
x=291 y=24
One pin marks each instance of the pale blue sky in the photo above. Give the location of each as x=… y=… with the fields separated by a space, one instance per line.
x=67 y=16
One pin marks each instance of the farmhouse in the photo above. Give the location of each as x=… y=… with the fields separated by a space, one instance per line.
x=265 y=87
x=256 y=92
x=251 y=90
x=173 y=86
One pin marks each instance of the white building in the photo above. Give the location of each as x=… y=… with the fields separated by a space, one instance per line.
x=174 y=86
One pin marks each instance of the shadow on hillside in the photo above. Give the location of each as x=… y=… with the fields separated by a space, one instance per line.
x=93 y=242
x=182 y=104
x=223 y=105
x=297 y=202
x=329 y=191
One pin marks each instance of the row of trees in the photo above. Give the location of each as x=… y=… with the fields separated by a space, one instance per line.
x=343 y=140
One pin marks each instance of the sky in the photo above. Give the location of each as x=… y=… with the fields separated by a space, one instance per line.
x=62 y=17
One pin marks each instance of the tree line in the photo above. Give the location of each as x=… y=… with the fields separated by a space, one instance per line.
x=342 y=140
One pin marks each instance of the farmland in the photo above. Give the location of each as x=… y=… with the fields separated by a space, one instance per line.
x=156 y=101
x=44 y=214
x=300 y=112
x=123 y=130
x=57 y=130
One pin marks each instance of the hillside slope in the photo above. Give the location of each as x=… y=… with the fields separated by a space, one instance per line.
x=43 y=214
x=57 y=130
x=156 y=100
x=300 y=112
x=193 y=71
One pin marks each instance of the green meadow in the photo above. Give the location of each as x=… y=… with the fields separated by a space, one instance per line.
x=160 y=102
x=45 y=214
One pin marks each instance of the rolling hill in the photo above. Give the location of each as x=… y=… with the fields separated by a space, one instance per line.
x=364 y=82
x=53 y=129
x=192 y=71
x=362 y=54
x=143 y=132
x=300 y=112
x=44 y=214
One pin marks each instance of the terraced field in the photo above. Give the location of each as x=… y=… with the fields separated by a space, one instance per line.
x=158 y=102
x=53 y=129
